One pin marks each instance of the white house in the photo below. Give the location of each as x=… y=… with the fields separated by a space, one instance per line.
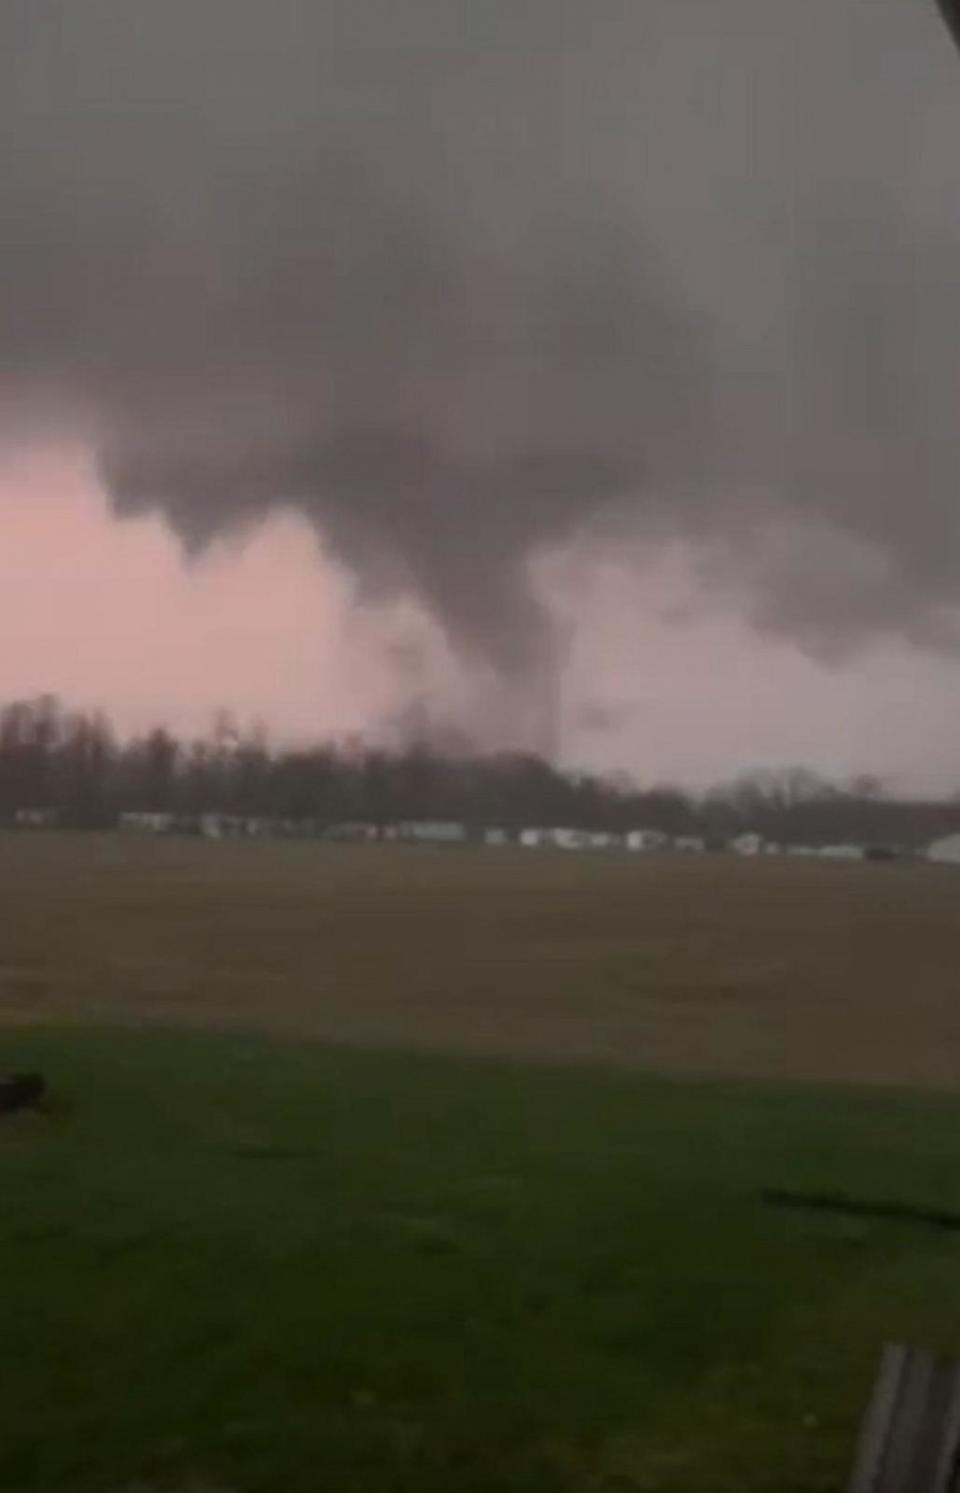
x=748 y=844
x=945 y=851
x=532 y=839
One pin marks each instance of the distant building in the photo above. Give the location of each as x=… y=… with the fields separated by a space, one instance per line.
x=748 y=844
x=690 y=844
x=602 y=839
x=641 y=841
x=841 y=852
x=493 y=836
x=351 y=831
x=945 y=851
x=36 y=818
x=801 y=850
x=432 y=832
x=147 y=823
x=261 y=829
x=222 y=826
x=565 y=838
x=296 y=829
x=569 y=839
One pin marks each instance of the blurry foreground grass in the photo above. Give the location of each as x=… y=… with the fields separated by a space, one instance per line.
x=251 y=1264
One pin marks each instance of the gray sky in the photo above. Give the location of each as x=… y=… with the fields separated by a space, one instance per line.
x=472 y=283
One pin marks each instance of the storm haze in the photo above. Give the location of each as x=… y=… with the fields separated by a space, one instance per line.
x=468 y=284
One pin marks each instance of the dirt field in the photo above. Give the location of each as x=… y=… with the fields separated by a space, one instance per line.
x=779 y=968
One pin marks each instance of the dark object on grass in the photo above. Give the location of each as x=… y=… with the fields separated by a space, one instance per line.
x=910 y=1435
x=882 y=853
x=21 y=1091
x=838 y=1202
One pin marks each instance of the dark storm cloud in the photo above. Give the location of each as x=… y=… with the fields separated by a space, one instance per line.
x=455 y=278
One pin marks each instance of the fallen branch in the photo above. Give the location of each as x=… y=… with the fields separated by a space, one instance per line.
x=838 y=1202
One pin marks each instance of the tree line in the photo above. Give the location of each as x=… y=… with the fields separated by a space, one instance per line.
x=74 y=763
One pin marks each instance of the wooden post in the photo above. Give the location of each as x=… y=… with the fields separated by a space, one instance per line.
x=910 y=1436
x=950 y=10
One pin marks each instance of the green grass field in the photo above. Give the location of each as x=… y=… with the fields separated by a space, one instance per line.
x=233 y=1258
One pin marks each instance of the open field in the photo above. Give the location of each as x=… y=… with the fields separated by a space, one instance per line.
x=234 y=1259
x=787 y=968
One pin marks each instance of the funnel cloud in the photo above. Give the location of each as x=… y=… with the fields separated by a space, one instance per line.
x=464 y=280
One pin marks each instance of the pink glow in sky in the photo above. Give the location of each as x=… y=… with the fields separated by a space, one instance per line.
x=109 y=614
